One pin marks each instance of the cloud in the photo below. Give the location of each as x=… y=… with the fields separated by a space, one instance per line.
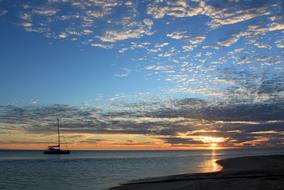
x=178 y=35
x=197 y=40
x=158 y=68
x=114 y=36
x=44 y=11
x=102 y=45
x=176 y=9
x=228 y=42
x=183 y=122
x=3 y=12
x=280 y=43
x=228 y=14
x=124 y=73
x=81 y=19
x=214 y=50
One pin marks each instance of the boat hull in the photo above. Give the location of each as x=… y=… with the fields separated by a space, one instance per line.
x=56 y=152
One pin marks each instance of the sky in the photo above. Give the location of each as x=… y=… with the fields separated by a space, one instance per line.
x=142 y=74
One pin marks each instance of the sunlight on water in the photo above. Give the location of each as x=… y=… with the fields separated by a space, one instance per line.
x=210 y=165
x=99 y=170
x=215 y=166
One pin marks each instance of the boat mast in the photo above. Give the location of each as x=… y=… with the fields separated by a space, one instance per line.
x=58 y=132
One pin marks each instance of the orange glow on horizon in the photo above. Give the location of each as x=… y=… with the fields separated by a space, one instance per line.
x=110 y=146
x=213 y=146
x=113 y=142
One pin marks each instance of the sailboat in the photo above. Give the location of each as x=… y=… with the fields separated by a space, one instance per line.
x=56 y=148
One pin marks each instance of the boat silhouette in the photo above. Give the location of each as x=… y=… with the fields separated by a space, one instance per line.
x=56 y=148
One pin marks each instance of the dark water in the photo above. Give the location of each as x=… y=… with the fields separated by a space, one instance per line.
x=98 y=170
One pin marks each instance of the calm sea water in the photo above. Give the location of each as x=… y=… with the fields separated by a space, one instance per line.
x=99 y=170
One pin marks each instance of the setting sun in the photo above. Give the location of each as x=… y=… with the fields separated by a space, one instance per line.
x=213 y=145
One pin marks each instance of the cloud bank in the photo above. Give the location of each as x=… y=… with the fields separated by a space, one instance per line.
x=184 y=122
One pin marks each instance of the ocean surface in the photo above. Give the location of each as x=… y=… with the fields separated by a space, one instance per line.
x=100 y=170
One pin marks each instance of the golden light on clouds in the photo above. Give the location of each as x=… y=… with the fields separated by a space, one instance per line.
x=208 y=139
x=213 y=145
x=113 y=142
x=213 y=142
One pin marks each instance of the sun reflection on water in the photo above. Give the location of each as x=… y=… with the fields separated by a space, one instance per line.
x=214 y=165
x=210 y=165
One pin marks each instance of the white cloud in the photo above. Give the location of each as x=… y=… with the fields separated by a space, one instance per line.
x=226 y=16
x=228 y=42
x=123 y=73
x=196 y=40
x=119 y=35
x=262 y=45
x=101 y=45
x=280 y=43
x=162 y=45
x=27 y=24
x=219 y=16
x=276 y=26
x=62 y=35
x=178 y=35
x=157 y=68
x=188 y=47
x=96 y=14
x=87 y=31
x=82 y=19
x=176 y=9
x=148 y=22
x=44 y=11
x=3 y=12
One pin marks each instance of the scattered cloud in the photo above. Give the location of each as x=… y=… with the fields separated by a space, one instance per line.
x=187 y=122
x=228 y=42
x=178 y=35
x=228 y=53
x=3 y=12
x=124 y=73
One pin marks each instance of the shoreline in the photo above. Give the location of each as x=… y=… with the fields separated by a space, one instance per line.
x=251 y=172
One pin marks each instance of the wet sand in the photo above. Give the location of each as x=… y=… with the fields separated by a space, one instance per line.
x=245 y=173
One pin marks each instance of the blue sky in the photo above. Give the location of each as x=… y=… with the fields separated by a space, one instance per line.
x=113 y=54
x=63 y=72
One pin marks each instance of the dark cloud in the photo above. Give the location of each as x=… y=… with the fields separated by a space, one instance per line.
x=176 y=141
x=238 y=123
x=227 y=112
x=274 y=84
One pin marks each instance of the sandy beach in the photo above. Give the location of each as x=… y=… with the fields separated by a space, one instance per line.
x=254 y=172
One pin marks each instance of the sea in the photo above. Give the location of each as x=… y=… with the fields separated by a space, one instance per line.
x=100 y=170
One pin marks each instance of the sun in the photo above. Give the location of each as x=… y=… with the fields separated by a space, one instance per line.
x=212 y=142
x=213 y=145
